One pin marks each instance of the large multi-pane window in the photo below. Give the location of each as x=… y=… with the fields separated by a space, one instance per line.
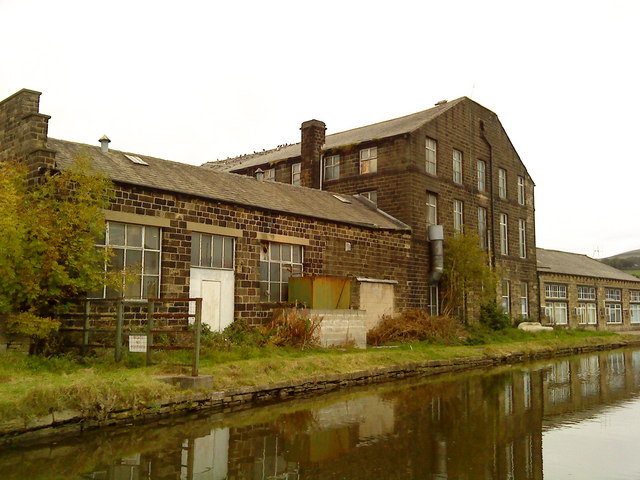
x=482 y=227
x=587 y=314
x=634 y=306
x=586 y=293
x=555 y=290
x=482 y=175
x=522 y=238
x=430 y=154
x=458 y=216
x=504 y=234
x=524 y=300
x=432 y=209
x=296 y=171
x=557 y=312
x=502 y=183
x=613 y=311
x=278 y=262
x=135 y=252
x=613 y=294
x=369 y=160
x=457 y=166
x=211 y=251
x=521 y=191
x=332 y=167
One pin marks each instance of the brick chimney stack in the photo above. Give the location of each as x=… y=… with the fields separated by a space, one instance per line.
x=24 y=132
x=311 y=152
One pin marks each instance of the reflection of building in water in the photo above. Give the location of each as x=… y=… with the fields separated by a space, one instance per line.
x=477 y=426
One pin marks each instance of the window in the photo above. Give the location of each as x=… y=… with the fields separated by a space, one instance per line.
x=502 y=183
x=433 y=305
x=634 y=310
x=371 y=195
x=457 y=166
x=506 y=300
x=587 y=313
x=522 y=238
x=296 y=168
x=521 y=191
x=211 y=251
x=613 y=294
x=504 y=234
x=278 y=262
x=557 y=312
x=613 y=311
x=586 y=293
x=524 y=300
x=634 y=295
x=458 y=216
x=482 y=227
x=270 y=175
x=332 y=167
x=369 y=160
x=482 y=175
x=432 y=209
x=136 y=249
x=553 y=290
x=430 y=153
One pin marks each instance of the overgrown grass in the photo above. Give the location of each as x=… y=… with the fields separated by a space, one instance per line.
x=33 y=386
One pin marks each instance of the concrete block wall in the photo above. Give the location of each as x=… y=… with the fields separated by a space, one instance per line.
x=342 y=327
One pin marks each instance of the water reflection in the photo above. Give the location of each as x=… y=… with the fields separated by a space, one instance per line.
x=480 y=425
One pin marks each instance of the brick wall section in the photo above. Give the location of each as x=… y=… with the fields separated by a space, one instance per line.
x=23 y=131
x=601 y=284
x=374 y=253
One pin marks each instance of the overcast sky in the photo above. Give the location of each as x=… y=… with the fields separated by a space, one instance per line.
x=195 y=81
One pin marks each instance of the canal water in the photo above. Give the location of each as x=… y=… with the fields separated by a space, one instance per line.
x=570 y=418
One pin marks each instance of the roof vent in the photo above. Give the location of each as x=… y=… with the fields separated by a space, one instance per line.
x=104 y=143
x=441 y=102
x=259 y=173
x=342 y=199
x=136 y=160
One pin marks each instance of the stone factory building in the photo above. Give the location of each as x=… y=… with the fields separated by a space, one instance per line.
x=452 y=165
x=230 y=239
x=578 y=291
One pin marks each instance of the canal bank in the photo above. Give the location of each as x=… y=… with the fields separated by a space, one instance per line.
x=70 y=422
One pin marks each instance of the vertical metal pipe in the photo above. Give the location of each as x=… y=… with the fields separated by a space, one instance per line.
x=196 y=346
x=150 y=312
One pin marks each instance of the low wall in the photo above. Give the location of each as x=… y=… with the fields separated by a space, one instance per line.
x=342 y=327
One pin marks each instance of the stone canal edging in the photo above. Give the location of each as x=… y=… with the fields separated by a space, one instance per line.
x=72 y=421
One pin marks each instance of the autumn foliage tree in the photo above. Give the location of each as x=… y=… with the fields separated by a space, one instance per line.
x=467 y=274
x=48 y=232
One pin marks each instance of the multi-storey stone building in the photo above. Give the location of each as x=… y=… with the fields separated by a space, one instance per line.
x=452 y=165
x=578 y=291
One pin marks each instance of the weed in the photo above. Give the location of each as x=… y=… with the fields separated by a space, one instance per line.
x=416 y=325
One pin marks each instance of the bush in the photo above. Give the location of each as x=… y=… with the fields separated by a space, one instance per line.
x=416 y=325
x=293 y=328
x=492 y=316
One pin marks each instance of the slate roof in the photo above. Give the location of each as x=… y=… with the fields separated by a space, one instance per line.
x=226 y=187
x=388 y=128
x=554 y=261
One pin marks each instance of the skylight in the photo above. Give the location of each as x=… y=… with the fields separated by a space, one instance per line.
x=342 y=199
x=136 y=160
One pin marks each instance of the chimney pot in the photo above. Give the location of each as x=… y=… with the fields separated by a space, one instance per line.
x=259 y=173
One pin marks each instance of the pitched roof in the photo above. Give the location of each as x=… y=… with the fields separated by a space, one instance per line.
x=226 y=187
x=554 y=261
x=388 y=128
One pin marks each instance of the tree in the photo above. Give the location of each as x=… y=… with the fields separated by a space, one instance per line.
x=48 y=232
x=466 y=273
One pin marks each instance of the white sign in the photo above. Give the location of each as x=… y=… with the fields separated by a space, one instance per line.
x=138 y=343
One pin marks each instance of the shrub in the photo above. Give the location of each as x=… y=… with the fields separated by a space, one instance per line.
x=292 y=327
x=416 y=325
x=492 y=316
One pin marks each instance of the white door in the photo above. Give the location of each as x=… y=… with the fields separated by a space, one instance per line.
x=216 y=288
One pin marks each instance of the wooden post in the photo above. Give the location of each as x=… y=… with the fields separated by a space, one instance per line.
x=119 y=320
x=150 y=312
x=196 y=343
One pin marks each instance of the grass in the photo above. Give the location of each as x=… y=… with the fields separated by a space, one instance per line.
x=34 y=386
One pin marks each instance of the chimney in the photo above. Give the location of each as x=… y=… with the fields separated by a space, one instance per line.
x=104 y=143
x=311 y=152
x=259 y=173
